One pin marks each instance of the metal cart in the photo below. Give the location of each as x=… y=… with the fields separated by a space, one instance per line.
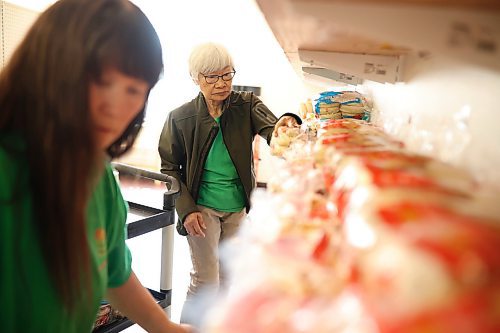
x=151 y=219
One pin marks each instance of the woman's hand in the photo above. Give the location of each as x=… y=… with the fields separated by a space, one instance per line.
x=136 y=302
x=195 y=225
x=183 y=328
x=286 y=121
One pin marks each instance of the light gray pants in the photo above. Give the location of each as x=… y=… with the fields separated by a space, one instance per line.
x=207 y=273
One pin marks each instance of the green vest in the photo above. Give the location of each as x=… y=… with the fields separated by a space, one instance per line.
x=221 y=187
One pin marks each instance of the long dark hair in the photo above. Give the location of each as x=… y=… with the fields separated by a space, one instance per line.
x=44 y=93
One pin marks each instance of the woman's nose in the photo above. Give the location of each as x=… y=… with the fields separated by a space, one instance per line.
x=113 y=101
x=220 y=83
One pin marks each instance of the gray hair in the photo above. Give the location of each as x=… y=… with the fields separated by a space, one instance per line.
x=207 y=58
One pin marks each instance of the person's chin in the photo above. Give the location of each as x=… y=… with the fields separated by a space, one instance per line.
x=104 y=141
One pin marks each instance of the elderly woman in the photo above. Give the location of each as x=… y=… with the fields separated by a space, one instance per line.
x=207 y=145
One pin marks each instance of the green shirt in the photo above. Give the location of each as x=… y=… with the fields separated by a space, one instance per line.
x=221 y=187
x=28 y=301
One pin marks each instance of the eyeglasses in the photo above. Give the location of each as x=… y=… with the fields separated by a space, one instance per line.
x=212 y=78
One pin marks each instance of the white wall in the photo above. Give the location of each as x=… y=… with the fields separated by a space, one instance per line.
x=36 y=5
x=15 y=21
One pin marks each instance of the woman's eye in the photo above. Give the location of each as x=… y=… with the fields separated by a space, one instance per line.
x=135 y=91
x=132 y=91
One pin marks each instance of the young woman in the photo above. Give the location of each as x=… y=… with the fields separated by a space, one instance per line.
x=71 y=97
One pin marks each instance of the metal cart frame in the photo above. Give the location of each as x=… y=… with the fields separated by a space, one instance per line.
x=155 y=219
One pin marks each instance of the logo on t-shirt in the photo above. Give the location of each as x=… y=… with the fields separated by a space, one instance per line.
x=100 y=241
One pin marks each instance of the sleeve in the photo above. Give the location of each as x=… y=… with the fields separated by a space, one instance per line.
x=293 y=115
x=263 y=120
x=119 y=256
x=173 y=163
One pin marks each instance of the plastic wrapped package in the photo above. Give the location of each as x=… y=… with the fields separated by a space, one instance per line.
x=300 y=151
x=309 y=264
x=326 y=107
x=295 y=177
x=106 y=315
x=417 y=265
x=288 y=213
x=266 y=310
x=311 y=127
x=395 y=168
x=285 y=136
x=296 y=231
x=350 y=135
x=306 y=111
x=391 y=174
x=341 y=105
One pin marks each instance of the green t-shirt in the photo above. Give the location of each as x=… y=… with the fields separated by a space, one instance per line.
x=28 y=301
x=221 y=187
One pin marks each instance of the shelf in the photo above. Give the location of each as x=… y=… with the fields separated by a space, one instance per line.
x=466 y=29
x=380 y=68
x=143 y=219
x=317 y=72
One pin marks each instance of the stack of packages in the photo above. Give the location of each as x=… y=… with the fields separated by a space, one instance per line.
x=352 y=105
x=327 y=107
x=341 y=105
x=365 y=236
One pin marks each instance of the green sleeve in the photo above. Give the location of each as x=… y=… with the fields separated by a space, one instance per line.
x=119 y=256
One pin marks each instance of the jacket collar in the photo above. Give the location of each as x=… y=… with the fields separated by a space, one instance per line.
x=201 y=106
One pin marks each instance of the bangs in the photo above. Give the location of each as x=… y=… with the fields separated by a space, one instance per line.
x=134 y=49
x=215 y=62
x=208 y=58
